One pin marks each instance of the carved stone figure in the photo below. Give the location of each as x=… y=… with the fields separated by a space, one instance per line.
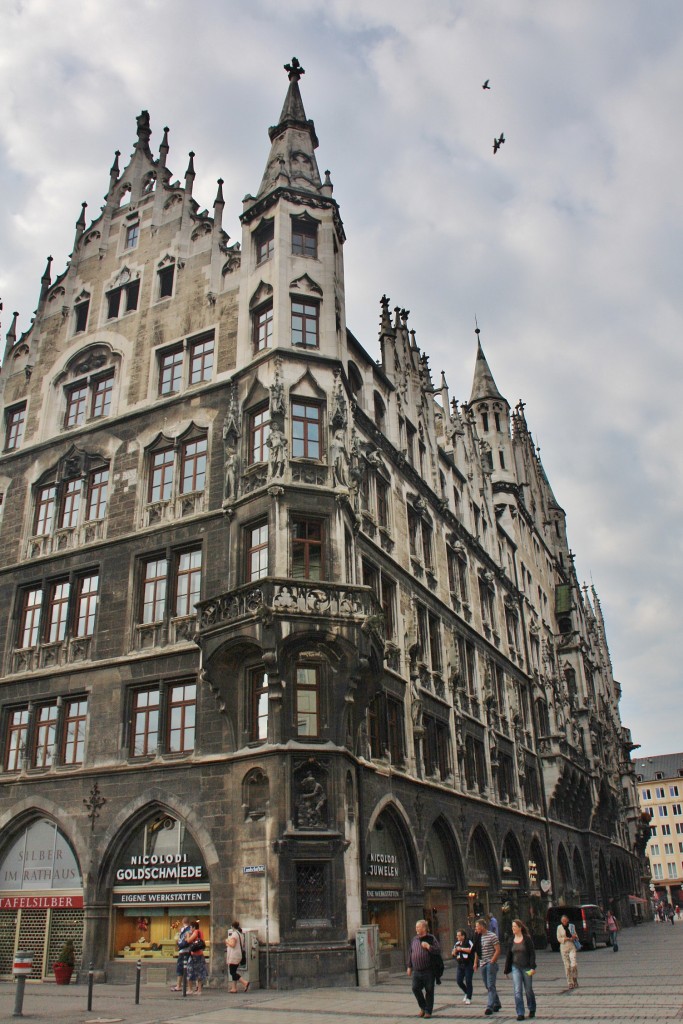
x=340 y=459
x=277 y=442
x=311 y=803
x=230 y=472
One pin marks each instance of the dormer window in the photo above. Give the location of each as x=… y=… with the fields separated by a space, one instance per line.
x=264 y=241
x=132 y=236
x=305 y=237
x=165 y=278
x=81 y=309
x=123 y=299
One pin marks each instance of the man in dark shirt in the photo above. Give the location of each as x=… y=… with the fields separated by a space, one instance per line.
x=420 y=967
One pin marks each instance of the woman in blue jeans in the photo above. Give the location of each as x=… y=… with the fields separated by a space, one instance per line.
x=521 y=961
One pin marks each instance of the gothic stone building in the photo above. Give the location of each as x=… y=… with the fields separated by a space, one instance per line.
x=287 y=634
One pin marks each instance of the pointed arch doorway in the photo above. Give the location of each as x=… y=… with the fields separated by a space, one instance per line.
x=41 y=897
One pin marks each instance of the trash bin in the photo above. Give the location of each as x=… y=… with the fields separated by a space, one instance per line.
x=367 y=955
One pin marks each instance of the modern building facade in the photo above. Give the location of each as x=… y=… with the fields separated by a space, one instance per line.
x=660 y=788
x=287 y=633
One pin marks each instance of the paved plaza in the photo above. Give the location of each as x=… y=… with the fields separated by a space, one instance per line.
x=642 y=982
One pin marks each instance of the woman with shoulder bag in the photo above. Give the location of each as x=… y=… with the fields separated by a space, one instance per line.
x=521 y=961
x=196 y=962
x=235 y=956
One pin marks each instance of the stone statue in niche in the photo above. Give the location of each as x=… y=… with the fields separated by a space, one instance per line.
x=311 y=803
x=230 y=472
x=340 y=459
x=277 y=442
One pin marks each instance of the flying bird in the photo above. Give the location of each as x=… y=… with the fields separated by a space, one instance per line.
x=497 y=143
x=486 y=84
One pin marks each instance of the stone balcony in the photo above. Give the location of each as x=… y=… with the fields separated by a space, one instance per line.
x=268 y=600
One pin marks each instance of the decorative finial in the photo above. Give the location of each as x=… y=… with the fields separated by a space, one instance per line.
x=114 y=171
x=80 y=223
x=164 y=141
x=190 y=166
x=219 y=193
x=94 y=804
x=476 y=327
x=294 y=70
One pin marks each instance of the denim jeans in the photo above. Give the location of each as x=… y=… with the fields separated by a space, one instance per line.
x=424 y=980
x=488 y=976
x=463 y=977
x=523 y=982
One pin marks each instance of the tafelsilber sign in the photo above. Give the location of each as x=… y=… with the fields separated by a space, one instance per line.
x=40 y=902
x=180 y=896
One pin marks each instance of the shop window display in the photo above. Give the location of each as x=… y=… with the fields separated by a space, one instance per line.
x=160 y=878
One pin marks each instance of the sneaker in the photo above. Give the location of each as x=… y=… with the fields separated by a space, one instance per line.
x=466 y=1000
x=488 y=1012
x=520 y=1016
x=532 y=1013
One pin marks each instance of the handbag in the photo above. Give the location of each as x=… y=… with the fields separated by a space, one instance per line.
x=575 y=938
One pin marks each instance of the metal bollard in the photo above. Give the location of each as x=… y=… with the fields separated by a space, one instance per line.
x=19 y=996
x=22 y=966
x=91 y=982
x=138 y=973
x=185 y=977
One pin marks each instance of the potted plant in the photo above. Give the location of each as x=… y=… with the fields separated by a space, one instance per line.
x=64 y=967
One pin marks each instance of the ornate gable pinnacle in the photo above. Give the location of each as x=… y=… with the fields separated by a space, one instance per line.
x=294 y=70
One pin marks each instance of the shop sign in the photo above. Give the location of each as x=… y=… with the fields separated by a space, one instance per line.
x=254 y=869
x=382 y=865
x=384 y=894
x=141 y=898
x=40 y=902
x=161 y=867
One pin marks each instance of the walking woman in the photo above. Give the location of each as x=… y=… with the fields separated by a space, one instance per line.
x=196 y=963
x=521 y=960
x=234 y=955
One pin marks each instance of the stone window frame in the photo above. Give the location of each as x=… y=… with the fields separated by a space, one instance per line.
x=66 y=745
x=161 y=712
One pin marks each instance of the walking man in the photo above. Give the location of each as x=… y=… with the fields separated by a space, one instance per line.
x=420 y=967
x=486 y=954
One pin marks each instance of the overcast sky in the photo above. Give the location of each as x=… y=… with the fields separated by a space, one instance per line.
x=566 y=245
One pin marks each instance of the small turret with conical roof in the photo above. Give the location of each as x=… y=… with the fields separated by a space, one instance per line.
x=292 y=244
x=293 y=143
x=491 y=413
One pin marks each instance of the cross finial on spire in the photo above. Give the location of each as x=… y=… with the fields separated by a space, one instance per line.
x=294 y=70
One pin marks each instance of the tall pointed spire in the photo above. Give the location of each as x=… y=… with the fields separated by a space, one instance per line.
x=483 y=384
x=293 y=143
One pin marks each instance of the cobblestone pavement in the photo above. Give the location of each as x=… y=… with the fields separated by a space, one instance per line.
x=642 y=982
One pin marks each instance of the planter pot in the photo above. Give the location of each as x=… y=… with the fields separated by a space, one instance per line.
x=63 y=973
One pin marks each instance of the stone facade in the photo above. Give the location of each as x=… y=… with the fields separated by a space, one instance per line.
x=270 y=603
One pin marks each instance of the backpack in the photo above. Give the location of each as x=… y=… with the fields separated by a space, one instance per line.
x=243 y=961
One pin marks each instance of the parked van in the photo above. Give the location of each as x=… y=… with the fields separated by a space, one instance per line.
x=588 y=920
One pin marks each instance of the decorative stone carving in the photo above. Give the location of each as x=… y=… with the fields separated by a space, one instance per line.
x=311 y=803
